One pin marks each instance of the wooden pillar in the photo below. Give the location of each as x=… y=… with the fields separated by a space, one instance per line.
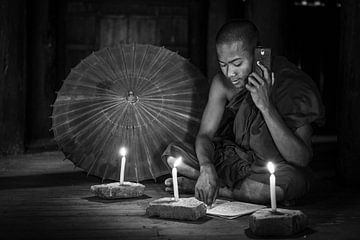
x=42 y=70
x=12 y=76
x=349 y=95
x=217 y=16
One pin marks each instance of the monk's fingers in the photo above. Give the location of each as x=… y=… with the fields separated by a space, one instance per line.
x=215 y=196
x=168 y=182
x=272 y=78
x=265 y=71
x=255 y=77
x=203 y=196
x=169 y=189
x=252 y=80
x=210 y=197
x=197 y=194
x=250 y=88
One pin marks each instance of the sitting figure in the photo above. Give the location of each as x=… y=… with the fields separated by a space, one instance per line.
x=248 y=121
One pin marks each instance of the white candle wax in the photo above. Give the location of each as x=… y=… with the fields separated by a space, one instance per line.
x=122 y=170
x=123 y=161
x=175 y=180
x=272 y=186
x=175 y=184
x=272 y=192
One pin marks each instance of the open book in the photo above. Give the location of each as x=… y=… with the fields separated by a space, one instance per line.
x=231 y=210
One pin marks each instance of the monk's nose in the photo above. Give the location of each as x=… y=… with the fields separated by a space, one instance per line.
x=231 y=72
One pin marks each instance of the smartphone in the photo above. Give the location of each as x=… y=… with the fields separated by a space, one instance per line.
x=264 y=56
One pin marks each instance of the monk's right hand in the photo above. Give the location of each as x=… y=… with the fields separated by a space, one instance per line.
x=207 y=185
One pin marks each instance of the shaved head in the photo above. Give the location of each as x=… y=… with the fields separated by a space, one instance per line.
x=239 y=30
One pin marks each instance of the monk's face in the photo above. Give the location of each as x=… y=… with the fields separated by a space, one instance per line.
x=235 y=62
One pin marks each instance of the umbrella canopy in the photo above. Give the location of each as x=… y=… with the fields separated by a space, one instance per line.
x=141 y=97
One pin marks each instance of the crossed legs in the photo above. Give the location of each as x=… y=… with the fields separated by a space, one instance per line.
x=248 y=190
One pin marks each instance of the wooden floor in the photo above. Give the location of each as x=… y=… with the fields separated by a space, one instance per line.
x=43 y=197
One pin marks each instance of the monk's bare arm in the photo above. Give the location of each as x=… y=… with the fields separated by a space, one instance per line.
x=207 y=185
x=210 y=121
x=295 y=147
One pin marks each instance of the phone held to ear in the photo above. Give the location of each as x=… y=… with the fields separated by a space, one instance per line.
x=264 y=56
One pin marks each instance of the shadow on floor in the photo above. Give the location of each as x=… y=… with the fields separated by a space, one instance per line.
x=201 y=220
x=107 y=201
x=47 y=180
x=306 y=232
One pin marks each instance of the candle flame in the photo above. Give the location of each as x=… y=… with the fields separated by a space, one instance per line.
x=271 y=167
x=177 y=161
x=122 y=151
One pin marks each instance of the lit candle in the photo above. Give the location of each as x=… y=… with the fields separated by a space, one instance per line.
x=123 y=160
x=271 y=168
x=175 y=180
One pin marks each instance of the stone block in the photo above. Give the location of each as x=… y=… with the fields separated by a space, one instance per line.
x=115 y=190
x=283 y=222
x=184 y=209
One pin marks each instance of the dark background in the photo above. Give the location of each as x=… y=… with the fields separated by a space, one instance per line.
x=40 y=41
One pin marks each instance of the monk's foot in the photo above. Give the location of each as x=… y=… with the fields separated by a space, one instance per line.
x=185 y=185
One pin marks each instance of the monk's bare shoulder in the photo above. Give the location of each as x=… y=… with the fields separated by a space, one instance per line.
x=221 y=88
x=217 y=87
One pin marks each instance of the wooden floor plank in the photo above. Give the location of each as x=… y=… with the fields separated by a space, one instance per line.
x=43 y=197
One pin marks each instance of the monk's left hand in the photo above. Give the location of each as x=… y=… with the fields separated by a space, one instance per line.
x=260 y=87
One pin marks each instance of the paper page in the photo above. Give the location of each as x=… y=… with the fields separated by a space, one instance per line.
x=230 y=210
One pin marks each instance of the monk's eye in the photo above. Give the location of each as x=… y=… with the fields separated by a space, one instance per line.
x=222 y=65
x=237 y=64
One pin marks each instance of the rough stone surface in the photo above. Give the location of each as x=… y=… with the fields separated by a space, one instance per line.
x=184 y=209
x=284 y=222
x=115 y=190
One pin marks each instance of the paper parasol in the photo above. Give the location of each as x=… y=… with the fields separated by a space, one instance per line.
x=136 y=96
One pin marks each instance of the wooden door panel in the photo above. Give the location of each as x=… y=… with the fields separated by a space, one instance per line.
x=113 y=30
x=90 y=26
x=142 y=29
x=80 y=30
x=173 y=30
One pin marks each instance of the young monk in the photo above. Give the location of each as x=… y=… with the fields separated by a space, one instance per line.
x=248 y=121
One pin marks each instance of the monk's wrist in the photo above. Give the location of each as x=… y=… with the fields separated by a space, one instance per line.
x=268 y=110
x=206 y=166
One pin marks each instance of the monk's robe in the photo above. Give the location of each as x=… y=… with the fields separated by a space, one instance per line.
x=243 y=144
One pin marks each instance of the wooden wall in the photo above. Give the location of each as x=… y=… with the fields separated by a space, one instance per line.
x=271 y=19
x=61 y=33
x=349 y=92
x=91 y=25
x=216 y=18
x=12 y=76
x=42 y=68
